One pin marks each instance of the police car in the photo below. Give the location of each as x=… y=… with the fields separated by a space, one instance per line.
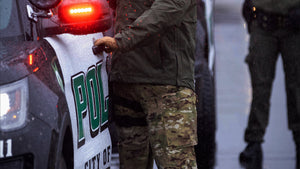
x=205 y=85
x=53 y=89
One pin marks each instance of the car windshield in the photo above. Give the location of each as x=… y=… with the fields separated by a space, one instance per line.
x=10 y=26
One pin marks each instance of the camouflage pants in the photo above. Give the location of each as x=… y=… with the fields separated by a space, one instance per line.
x=168 y=133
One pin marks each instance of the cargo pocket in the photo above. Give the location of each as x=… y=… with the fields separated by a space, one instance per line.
x=180 y=118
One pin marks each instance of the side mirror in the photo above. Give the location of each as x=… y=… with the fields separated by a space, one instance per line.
x=45 y=4
x=78 y=18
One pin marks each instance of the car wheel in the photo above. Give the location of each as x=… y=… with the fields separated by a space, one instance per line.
x=206 y=120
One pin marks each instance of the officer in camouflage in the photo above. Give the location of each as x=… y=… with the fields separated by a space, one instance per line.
x=170 y=114
x=274 y=27
x=152 y=77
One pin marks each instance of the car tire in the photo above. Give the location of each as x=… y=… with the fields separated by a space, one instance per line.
x=64 y=153
x=206 y=119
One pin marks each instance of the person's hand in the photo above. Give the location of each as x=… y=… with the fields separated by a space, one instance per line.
x=109 y=43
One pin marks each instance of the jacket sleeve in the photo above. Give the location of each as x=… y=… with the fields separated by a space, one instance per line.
x=153 y=22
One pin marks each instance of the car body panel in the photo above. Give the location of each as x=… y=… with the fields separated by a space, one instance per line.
x=209 y=15
x=72 y=51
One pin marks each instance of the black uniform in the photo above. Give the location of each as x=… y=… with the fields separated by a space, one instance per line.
x=273 y=32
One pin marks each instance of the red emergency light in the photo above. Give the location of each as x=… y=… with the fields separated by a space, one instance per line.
x=80 y=12
x=78 y=17
x=35 y=59
x=30 y=59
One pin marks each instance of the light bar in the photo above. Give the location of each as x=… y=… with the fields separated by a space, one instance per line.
x=81 y=10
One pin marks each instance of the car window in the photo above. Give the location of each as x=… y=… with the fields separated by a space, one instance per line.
x=5 y=13
x=10 y=25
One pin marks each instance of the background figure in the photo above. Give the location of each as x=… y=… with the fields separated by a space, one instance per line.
x=152 y=76
x=274 y=29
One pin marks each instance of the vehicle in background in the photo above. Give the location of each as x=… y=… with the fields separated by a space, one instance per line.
x=53 y=89
x=205 y=85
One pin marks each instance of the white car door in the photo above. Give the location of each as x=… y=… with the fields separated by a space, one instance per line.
x=86 y=90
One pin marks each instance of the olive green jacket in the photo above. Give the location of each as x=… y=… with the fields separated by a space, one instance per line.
x=156 y=40
x=276 y=6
